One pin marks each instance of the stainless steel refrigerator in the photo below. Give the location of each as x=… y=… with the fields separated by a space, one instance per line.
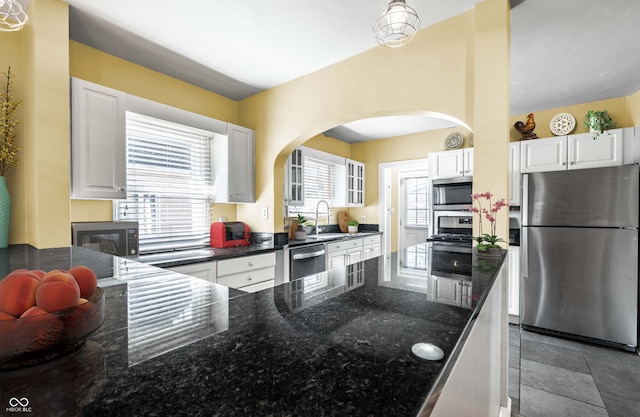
x=579 y=266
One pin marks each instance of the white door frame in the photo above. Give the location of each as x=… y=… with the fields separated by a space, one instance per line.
x=384 y=206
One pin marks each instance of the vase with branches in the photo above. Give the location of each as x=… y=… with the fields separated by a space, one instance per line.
x=8 y=122
x=8 y=152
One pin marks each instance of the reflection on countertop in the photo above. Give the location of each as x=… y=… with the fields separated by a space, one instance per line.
x=336 y=343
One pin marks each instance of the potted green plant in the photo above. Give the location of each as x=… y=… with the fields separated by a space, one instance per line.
x=352 y=226
x=300 y=233
x=598 y=122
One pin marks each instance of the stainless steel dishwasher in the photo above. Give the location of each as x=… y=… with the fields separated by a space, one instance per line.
x=306 y=260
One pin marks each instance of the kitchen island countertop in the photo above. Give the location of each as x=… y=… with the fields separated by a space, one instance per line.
x=337 y=343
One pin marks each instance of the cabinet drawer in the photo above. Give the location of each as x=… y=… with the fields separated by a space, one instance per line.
x=248 y=277
x=344 y=245
x=371 y=240
x=260 y=286
x=245 y=264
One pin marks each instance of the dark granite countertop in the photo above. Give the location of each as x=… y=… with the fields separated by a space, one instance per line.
x=332 y=344
x=192 y=256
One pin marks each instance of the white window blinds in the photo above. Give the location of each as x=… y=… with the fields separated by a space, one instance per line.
x=318 y=182
x=416 y=208
x=169 y=183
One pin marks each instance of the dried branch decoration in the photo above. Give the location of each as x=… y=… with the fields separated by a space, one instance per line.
x=8 y=107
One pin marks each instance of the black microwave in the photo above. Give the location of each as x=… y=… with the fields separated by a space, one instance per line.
x=452 y=193
x=114 y=238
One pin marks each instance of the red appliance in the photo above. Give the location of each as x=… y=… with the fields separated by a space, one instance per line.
x=229 y=234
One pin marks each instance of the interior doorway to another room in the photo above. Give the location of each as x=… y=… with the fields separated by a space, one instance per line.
x=405 y=214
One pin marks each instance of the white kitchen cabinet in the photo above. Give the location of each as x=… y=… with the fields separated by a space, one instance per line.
x=514 y=284
x=98 y=142
x=294 y=179
x=514 y=174
x=233 y=160
x=370 y=247
x=452 y=291
x=586 y=152
x=343 y=253
x=203 y=270
x=355 y=183
x=355 y=276
x=451 y=164
x=572 y=152
x=248 y=273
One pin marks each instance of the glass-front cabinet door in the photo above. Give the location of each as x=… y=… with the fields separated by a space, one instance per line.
x=355 y=183
x=295 y=179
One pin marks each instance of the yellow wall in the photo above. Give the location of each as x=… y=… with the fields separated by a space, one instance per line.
x=401 y=148
x=46 y=169
x=436 y=72
x=101 y=68
x=633 y=108
x=620 y=109
x=11 y=45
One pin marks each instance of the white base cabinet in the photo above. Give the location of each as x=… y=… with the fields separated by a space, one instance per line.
x=248 y=273
x=343 y=253
x=203 y=270
x=370 y=247
x=452 y=291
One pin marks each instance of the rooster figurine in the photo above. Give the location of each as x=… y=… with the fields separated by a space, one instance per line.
x=527 y=128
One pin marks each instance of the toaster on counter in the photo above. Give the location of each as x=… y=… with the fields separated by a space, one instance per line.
x=229 y=234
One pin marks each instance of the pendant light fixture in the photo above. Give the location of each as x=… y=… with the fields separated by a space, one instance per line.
x=396 y=25
x=12 y=16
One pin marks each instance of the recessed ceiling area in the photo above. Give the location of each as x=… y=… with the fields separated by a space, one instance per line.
x=562 y=52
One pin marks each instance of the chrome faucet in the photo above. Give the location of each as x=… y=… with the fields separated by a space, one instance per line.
x=317 y=212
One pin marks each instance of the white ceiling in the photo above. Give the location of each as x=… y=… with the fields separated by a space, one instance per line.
x=563 y=52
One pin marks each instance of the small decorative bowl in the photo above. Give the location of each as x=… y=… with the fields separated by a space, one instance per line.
x=32 y=340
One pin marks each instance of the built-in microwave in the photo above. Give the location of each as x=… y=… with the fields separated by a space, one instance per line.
x=452 y=193
x=114 y=238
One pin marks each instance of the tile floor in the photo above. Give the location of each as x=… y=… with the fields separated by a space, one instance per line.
x=551 y=377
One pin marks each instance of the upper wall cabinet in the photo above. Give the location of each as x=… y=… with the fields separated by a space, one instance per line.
x=294 y=179
x=355 y=183
x=233 y=159
x=98 y=141
x=451 y=164
x=572 y=152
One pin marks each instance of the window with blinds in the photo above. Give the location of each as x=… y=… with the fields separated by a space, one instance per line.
x=169 y=184
x=416 y=208
x=318 y=184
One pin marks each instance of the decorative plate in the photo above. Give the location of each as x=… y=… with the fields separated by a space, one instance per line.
x=562 y=124
x=471 y=139
x=454 y=141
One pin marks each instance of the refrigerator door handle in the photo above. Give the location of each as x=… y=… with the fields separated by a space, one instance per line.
x=525 y=200
x=524 y=259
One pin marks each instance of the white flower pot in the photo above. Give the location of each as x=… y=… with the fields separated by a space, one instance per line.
x=352 y=229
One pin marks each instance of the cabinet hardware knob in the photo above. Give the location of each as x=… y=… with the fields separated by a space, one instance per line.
x=249 y=277
x=564 y=163
x=572 y=163
x=123 y=189
x=250 y=263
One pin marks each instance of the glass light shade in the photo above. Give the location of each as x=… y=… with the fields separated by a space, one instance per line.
x=12 y=16
x=396 y=25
